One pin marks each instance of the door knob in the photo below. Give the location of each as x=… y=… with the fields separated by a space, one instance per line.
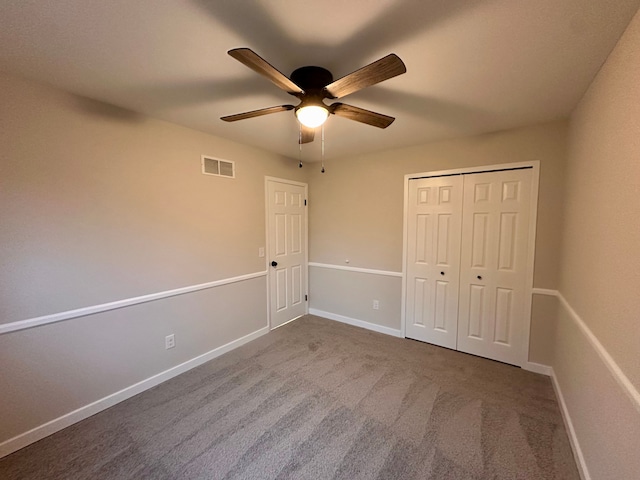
x=441 y=273
x=479 y=277
x=274 y=264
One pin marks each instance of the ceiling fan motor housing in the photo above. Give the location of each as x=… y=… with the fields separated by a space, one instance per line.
x=311 y=78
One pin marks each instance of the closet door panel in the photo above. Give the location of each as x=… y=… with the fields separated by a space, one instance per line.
x=433 y=259
x=495 y=233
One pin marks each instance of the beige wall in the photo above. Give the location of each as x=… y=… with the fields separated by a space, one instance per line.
x=600 y=267
x=98 y=204
x=601 y=262
x=356 y=208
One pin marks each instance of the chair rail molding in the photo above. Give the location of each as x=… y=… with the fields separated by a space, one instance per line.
x=104 y=307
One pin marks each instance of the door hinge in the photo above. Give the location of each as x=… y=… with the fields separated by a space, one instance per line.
x=306 y=298
x=305 y=202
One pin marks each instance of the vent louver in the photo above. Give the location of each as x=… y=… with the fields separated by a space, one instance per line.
x=217 y=167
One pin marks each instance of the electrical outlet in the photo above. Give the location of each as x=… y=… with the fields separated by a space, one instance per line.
x=261 y=252
x=376 y=305
x=169 y=341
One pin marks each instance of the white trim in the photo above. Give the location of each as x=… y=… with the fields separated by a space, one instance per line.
x=357 y=323
x=478 y=169
x=53 y=426
x=356 y=269
x=288 y=321
x=531 y=259
x=268 y=179
x=538 y=368
x=544 y=291
x=405 y=240
x=284 y=180
x=535 y=184
x=611 y=364
x=573 y=438
x=104 y=307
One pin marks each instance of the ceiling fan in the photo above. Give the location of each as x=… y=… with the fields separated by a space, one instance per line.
x=311 y=85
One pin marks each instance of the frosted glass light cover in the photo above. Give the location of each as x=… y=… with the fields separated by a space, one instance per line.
x=312 y=116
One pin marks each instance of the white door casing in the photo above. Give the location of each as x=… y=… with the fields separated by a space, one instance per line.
x=433 y=259
x=495 y=229
x=287 y=250
x=498 y=214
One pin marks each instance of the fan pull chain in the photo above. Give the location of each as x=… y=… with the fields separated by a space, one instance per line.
x=322 y=171
x=299 y=145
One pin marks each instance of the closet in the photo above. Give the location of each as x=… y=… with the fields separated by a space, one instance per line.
x=467 y=262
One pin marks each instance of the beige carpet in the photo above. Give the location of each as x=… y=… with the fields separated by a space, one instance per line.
x=316 y=399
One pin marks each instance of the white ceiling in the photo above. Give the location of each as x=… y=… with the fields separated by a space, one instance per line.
x=472 y=66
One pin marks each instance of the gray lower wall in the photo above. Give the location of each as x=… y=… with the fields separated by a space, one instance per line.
x=52 y=370
x=544 y=310
x=605 y=419
x=351 y=294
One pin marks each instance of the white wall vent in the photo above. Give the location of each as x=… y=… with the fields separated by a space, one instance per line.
x=220 y=168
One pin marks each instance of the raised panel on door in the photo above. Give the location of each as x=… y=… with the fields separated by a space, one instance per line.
x=433 y=250
x=280 y=235
x=493 y=264
x=281 y=286
x=296 y=285
x=287 y=243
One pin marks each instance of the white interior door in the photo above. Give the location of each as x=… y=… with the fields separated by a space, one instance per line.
x=287 y=260
x=433 y=259
x=493 y=273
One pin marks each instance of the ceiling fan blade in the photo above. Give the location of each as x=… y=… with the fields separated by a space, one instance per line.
x=258 y=64
x=376 y=72
x=307 y=134
x=361 y=115
x=257 y=113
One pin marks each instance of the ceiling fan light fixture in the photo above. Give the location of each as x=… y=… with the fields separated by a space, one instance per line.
x=312 y=116
x=312 y=85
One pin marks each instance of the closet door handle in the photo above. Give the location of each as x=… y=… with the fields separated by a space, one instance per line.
x=441 y=273
x=274 y=264
x=479 y=277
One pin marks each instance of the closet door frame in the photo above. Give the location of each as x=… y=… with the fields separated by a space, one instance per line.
x=531 y=247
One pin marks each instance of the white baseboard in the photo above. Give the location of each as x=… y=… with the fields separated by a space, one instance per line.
x=288 y=321
x=538 y=368
x=357 y=323
x=53 y=426
x=573 y=438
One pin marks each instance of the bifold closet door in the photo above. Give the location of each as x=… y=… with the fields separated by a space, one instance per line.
x=433 y=259
x=495 y=232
